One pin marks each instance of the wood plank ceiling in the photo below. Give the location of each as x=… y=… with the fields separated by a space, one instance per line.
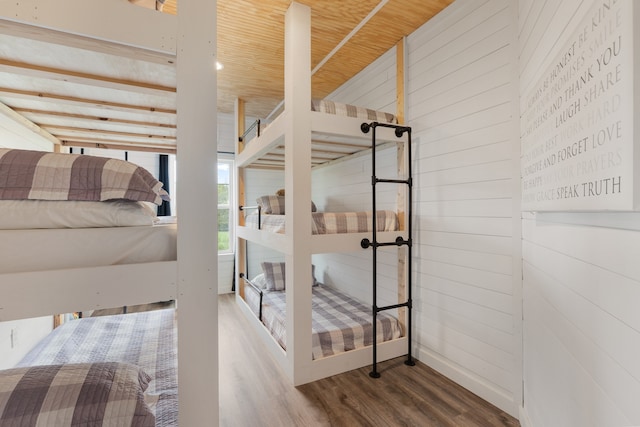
x=121 y=101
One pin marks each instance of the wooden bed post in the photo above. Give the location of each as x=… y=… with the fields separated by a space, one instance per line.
x=402 y=191
x=241 y=244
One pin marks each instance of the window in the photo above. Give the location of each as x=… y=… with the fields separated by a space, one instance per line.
x=225 y=198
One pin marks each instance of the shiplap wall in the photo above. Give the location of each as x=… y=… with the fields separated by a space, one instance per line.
x=581 y=279
x=462 y=106
x=346 y=186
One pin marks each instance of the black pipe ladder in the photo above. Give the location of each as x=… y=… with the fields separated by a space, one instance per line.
x=366 y=243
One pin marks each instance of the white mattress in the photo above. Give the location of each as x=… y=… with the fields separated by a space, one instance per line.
x=52 y=249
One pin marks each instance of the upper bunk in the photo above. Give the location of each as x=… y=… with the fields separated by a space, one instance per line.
x=336 y=133
x=309 y=134
x=143 y=39
x=72 y=82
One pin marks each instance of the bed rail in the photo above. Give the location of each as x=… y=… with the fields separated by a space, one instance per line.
x=259 y=208
x=258 y=290
x=255 y=125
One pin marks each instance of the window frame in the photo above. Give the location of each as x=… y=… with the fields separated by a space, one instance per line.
x=229 y=160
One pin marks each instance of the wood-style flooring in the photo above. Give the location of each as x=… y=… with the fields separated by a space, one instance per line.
x=255 y=392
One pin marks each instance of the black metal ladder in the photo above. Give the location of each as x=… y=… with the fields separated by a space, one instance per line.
x=374 y=244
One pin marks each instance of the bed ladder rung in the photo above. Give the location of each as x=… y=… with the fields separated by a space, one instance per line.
x=393 y=181
x=391 y=307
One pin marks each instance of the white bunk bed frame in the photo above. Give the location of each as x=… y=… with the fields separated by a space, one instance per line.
x=299 y=124
x=192 y=279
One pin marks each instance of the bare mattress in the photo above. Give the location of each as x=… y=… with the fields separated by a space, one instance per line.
x=52 y=249
x=339 y=322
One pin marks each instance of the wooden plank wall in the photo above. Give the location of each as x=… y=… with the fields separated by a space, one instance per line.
x=460 y=103
x=581 y=281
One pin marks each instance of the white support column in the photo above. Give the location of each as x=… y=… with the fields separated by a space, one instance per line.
x=297 y=95
x=197 y=223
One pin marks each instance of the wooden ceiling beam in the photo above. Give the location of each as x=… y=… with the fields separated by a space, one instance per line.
x=100 y=119
x=146 y=136
x=84 y=102
x=94 y=141
x=70 y=76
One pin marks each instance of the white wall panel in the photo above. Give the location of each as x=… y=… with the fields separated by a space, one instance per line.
x=461 y=106
x=374 y=87
x=581 y=279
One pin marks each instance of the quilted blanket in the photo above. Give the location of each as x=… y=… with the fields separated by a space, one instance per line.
x=339 y=322
x=341 y=109
x=39 y=175
x=146 y=339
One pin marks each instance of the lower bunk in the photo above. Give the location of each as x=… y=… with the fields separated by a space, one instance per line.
x=339 y=323
x=341 y=335
x=110 y=370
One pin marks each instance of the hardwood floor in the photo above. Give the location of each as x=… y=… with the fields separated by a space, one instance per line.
x=255 y=392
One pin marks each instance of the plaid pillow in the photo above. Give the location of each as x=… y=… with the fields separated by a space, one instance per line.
x=39 y=175
x=274 y=205
x=274 y=275
x=84 y=394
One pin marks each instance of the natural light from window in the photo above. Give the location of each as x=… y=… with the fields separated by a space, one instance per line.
x=225 y=193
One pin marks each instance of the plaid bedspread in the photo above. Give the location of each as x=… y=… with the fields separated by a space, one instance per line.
x=39 y=175
x=331 y=222
x=146 y=339
x=337 y=108
x=339 y=322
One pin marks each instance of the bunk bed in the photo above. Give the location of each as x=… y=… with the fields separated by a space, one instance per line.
x=340 y=323
x=309 y=133
x=129 y=360
x=69 y=210
x=45 y=283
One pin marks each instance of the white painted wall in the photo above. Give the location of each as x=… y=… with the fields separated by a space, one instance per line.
x=461 y=103
x=17 y=337
x=581 y=278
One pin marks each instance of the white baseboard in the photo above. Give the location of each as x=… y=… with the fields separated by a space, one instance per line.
x=469 y=381
x=525 y=421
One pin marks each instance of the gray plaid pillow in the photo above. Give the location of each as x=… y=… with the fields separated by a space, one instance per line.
x=274 y=205
x=274 y=275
